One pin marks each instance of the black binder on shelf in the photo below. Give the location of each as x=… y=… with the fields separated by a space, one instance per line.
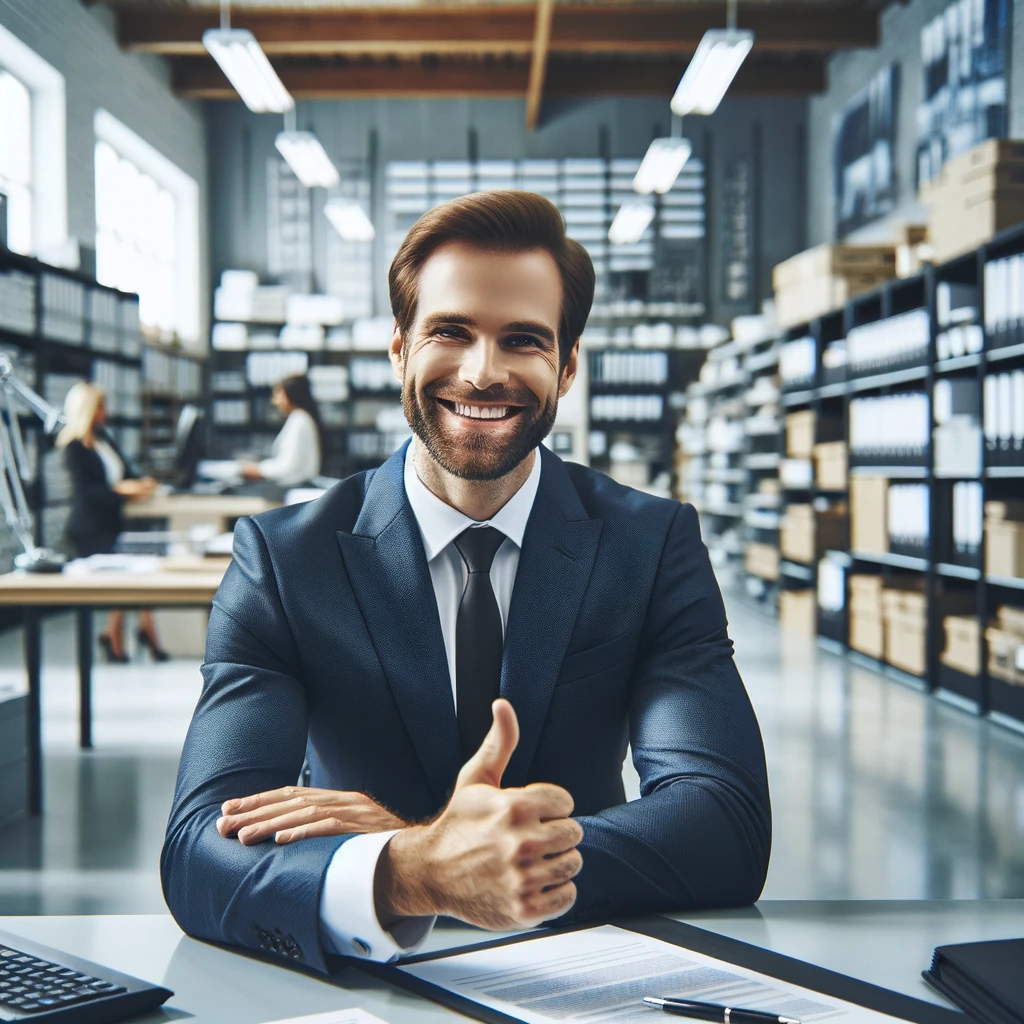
x=699 y=940
x=985 y=979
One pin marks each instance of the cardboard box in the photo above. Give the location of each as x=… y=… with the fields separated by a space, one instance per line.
x=1005 y=510
x=961 y=223
x=796 y=534
x=800 y=434
x=830 y=465
x=963 y=644
x=798 y=612
x=1011 y=620
x=802 y=301
x=1005 y=656
x=832 y=528
x=834 y=261
x=865 y=595
x=1004 y=548
x=762 y=560
x=868 y=503
x=867 y=635
x=905 y=646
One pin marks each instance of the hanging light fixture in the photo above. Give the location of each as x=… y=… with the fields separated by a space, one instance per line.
x=661 y=165
x=349 y=219
x=246 y=66
x=632 y=220
x=307 y=158
x=713 y=67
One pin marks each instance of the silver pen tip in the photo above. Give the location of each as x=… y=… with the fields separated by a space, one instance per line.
x=654 y=1001
x=788 y=1020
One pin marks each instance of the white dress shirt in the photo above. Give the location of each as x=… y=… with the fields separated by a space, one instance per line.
x=113 y=467
x=295 y=456
x=348 y=917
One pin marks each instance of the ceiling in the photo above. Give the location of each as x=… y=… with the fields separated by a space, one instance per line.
x=547 y=48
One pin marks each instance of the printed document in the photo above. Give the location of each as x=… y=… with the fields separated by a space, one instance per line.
x=602 y=974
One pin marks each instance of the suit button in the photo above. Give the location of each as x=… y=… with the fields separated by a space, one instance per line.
x=361 y=948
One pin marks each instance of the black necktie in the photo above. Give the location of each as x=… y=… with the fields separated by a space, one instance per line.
x=478 y=638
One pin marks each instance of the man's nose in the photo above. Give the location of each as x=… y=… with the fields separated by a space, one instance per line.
x=483 y=365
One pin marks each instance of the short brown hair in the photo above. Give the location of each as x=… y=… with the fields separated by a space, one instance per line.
x=509 y=221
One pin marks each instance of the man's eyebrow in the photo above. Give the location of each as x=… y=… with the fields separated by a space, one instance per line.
x=531 y=327
x=436 y=319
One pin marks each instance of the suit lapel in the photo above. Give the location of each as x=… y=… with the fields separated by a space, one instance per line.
x=559 y=548
x=388 y=571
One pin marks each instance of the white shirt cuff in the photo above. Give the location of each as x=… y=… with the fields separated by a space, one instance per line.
x=348 y=916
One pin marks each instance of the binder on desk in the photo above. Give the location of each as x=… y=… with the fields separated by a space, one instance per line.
x=985 y=979
x=571 y=964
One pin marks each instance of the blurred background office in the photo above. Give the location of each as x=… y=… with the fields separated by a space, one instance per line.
x=807 y=223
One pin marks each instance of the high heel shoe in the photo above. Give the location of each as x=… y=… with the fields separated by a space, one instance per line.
x=108 y=649
x=159 y=654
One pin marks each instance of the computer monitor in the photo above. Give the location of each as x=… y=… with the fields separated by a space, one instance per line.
x=189 y=443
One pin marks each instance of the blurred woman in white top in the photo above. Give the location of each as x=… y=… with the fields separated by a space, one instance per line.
x=296 y=454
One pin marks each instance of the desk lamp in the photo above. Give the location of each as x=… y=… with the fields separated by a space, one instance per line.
x=14 y=467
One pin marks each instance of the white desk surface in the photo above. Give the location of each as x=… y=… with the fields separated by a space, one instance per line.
x=887 y=943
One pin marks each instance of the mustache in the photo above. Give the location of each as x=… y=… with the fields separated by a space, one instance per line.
x=450 y=390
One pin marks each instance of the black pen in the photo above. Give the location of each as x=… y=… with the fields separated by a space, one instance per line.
x=716 y=1012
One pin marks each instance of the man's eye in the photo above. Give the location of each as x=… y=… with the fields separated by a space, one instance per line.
x=522 y=340
x=448 y=332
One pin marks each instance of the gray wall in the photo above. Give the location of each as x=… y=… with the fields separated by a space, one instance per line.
x=901 y=25
x=240 y=142
x=81 y=44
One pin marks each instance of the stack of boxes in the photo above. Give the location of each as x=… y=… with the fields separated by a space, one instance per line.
x=1006 y=646
x=822 y=279
x=975 y=196
x=866 y=632
x=906 y=622
x=868 y=525
x=1004 y=538
x=830 y=465
x=963 y=644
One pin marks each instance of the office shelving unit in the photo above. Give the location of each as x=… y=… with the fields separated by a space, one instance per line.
x=953 y=581
x=171 y=379
x=61 y=327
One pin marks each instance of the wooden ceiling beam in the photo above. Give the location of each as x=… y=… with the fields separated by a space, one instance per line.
x=202 y=79
x=538 y=62
x=785 y=26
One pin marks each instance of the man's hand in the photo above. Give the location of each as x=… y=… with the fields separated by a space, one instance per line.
x=496 y=858
x=296 y=813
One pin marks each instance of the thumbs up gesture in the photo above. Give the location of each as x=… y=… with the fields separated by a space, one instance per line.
x=496 y=858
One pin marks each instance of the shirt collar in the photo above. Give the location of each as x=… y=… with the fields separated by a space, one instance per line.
x=440 y=524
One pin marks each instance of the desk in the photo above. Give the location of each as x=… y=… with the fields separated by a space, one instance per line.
x=181 y=582
x=887 y=943
x=183 y=511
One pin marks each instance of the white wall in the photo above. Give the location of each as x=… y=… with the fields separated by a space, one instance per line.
x=81 y=43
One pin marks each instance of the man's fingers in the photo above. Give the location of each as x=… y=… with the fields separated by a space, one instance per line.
x=264 y=807
x=324 y=827
x=549 y=839
x=488 y=764
x=546 y=905
x=272 y=796
x=549 y=801
x=304 y=817
x=551 y=872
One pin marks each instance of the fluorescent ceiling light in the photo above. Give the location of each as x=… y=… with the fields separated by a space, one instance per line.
x=661 y=165
x=308 y=159
x=349 y=220
x=630 y=222
x=248 y=70
x=714 y=66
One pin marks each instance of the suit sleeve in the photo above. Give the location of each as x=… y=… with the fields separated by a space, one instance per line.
x=700 y=834
x=248 y=735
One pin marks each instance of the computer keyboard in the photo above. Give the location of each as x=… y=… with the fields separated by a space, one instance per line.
x=41 y=985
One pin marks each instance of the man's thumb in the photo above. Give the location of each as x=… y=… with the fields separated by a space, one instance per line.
x=488 y=764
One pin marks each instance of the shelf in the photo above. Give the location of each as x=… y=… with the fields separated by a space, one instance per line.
x=725 y=476
x=762 y=460
x=947 y=474
x=1014 y=582
x=1004 y=472
x=892 y=472
x=896 y=561
x=797 y=397
x=726 y=511
x=963 y=572
x=836 y=390
x=884 y=380
x=797 y=571
x=997 y=355
x=958 y=363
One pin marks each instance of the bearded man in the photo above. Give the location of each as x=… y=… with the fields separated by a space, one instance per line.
x=461 y=645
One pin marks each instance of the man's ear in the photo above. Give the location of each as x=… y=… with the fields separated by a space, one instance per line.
x=395 y=352
x=569 y=370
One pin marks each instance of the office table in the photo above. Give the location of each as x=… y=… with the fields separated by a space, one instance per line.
x=183 y=511
x=886 y=943
x=181 y=583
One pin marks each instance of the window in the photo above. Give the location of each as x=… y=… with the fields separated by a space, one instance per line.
x=147 y=230
x=16 y=160
x=136 y=248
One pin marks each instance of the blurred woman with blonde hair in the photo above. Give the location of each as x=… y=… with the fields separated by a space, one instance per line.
x=102 y=481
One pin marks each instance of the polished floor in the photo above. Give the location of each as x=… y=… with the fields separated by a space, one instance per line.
x=878 y=791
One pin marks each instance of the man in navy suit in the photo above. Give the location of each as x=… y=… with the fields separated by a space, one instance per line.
x=461 y=644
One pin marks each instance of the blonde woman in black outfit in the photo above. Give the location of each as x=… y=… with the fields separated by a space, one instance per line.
x=102 y=481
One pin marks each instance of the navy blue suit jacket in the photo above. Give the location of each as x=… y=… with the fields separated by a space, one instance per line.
x=325 y=643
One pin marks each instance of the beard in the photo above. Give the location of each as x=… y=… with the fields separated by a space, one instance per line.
x=478 y=456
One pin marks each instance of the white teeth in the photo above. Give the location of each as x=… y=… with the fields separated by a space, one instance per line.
x=482 y=412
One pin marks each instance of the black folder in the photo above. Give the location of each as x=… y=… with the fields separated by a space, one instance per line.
x=985 y=979
x=741 y=954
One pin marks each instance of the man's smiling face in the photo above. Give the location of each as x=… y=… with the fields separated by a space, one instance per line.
x=480 y=366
